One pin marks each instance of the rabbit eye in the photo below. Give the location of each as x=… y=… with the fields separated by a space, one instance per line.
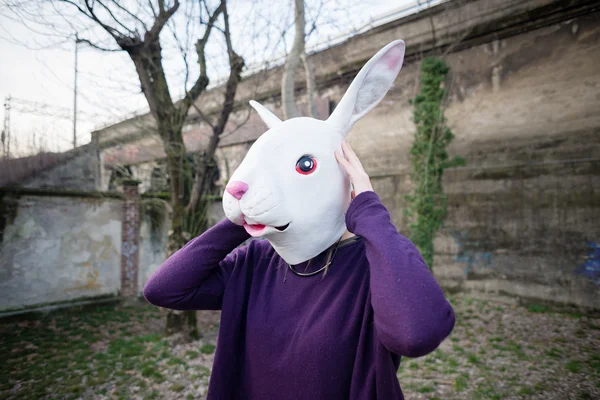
x=306 y=165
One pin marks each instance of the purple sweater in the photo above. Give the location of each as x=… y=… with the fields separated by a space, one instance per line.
x=282 y=336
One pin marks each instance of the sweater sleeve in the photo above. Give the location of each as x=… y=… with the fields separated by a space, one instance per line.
x=411 y=315
x=194 y=277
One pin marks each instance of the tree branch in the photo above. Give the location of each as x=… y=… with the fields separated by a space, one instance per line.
x=160 y=21
x=95 y=46
x=202 y=81
x=81 y=10
x=236 y=63
x=203 y=116
x=91 y=15
x=132 y=15
x=108 y=10
x=152 y=9
x=111 y=31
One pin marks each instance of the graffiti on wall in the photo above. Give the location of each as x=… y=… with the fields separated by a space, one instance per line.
x=591 y=267
x=470 y=253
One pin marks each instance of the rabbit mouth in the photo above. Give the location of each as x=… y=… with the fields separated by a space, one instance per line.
x=282 y=228
x=256 y=230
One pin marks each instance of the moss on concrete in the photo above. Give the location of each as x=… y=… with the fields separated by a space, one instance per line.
x=8 y=212
x=59 y=193
x=37 y=310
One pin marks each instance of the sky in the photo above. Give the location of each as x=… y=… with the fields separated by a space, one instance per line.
x=37 y=63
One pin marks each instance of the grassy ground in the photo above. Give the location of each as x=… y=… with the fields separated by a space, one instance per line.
x=110 y=352
x=495 y=352
x=509 y=352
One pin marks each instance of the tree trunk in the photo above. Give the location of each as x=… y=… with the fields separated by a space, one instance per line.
x=289 y=73
x=310 y=86
x=184 y=322
x=297 y=54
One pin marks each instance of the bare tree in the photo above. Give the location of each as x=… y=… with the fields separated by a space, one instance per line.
x=151 y=33
x=136 y=28
x=297 y=54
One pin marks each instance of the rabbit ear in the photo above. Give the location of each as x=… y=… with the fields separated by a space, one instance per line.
x=267 y=116
x=369 y=87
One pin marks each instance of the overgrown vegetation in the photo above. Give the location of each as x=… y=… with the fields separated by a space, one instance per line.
x=429 y=158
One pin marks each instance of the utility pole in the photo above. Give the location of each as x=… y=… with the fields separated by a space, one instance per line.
x=6 y=130
x=77 y=41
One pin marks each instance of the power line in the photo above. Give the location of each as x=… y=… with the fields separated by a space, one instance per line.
x=45 y=109
x=48 y=133
x=77 y=41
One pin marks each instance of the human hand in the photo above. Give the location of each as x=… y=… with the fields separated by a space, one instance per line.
x=358 y=177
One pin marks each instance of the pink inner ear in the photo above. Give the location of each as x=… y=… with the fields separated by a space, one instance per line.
x=392 y=57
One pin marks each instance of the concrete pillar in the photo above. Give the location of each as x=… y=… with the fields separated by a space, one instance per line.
x=130 y=238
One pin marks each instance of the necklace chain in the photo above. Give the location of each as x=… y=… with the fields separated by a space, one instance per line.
x=327 y=264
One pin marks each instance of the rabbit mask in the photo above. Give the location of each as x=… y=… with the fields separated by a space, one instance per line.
x=289 y=188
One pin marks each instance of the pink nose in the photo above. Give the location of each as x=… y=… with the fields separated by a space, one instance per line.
x=237 y=189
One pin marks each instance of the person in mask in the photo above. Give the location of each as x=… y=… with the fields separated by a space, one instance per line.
x=329 y=302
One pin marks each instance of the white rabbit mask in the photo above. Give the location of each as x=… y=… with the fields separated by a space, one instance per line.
x=289 y=188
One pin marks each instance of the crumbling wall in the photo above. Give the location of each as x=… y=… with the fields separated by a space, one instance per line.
x=56 y=248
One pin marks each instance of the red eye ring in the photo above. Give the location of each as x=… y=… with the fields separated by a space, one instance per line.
x=306 y=165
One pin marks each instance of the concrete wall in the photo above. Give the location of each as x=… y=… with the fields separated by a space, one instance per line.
x=529 y=232
x=56 y=249
x=538 y=84
x=524 y=216
x=523 y=104
x=79 y=171
x=154 y=228
x=518 y=229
